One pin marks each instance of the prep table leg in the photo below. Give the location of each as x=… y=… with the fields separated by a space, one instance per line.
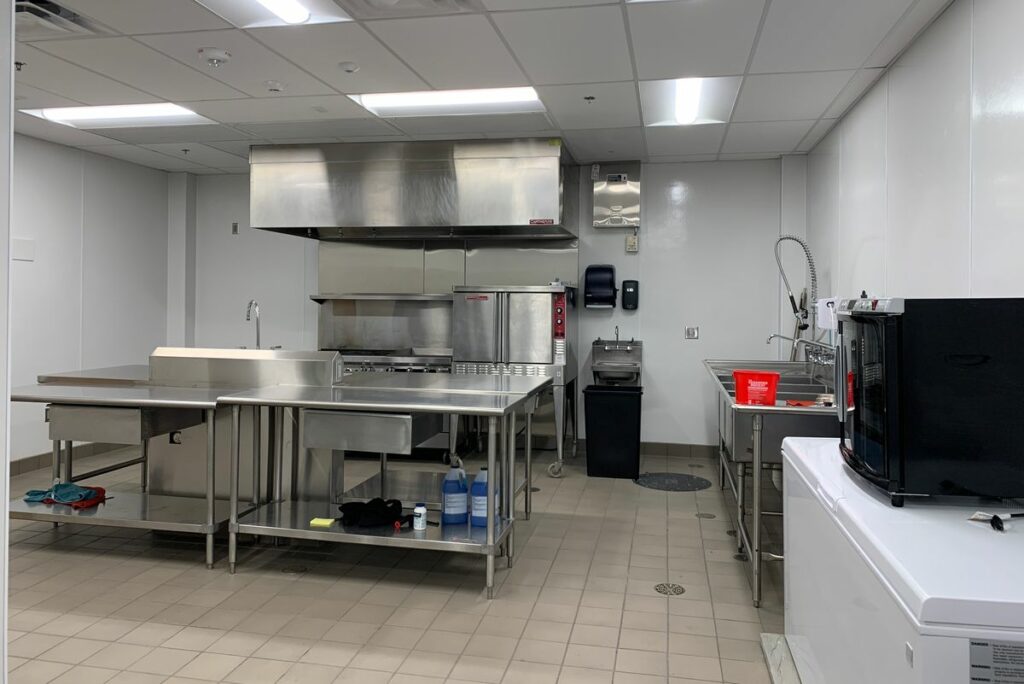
x=492 y=443
x=211 y=489
x=741 y=495
x=145 y=464
x=383 y=475
x=453 y=438
x=558 y=394
x=298 y=450
x=236 y=437
x=755 y=553
x=509 y=497
x=273 y=448
x=69 y=452
x=498 y=473
x=257 y=438
x=528 y=492
x=56 y=463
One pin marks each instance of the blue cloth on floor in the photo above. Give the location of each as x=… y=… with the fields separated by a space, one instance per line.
x=65 y=493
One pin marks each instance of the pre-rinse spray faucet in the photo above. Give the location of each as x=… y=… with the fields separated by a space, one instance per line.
x=254 y=307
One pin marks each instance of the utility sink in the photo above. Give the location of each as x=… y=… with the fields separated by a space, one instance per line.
x=799 y=381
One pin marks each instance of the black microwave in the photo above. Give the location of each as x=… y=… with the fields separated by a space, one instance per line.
x=934 y=395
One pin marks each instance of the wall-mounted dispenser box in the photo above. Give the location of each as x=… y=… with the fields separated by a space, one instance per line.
x=630 y=294
x=616 y=194
x=599 y=291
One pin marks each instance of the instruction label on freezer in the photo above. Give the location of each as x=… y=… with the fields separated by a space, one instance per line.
x=997 y=662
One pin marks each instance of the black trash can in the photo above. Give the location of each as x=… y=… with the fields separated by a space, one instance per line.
x=613 y=430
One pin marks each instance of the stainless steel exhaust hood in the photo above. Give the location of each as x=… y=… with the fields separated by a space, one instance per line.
x=491 y=189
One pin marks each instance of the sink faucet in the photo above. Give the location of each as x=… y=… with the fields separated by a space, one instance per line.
x=616 y=336
x=798 y=342
x=254 y=306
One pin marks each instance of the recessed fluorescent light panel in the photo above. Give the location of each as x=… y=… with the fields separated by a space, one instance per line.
x=121 y=116
x=452 y=102
x=688 y=101
x=264 y=13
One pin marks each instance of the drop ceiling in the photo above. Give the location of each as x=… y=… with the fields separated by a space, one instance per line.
x=801 y=64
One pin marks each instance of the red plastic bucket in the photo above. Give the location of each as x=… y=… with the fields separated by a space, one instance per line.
x=756 y=387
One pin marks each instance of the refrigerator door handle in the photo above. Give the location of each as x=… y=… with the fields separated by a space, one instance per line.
x=503 y=307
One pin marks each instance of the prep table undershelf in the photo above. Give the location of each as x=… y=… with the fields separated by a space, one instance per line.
x=291 y=519
x=409 y=487
x=133 y=510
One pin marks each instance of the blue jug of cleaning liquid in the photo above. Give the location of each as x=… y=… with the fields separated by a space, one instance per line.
x=454 y=497
x=478 y=500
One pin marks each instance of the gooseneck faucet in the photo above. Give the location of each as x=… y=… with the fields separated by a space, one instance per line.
x=254 y=307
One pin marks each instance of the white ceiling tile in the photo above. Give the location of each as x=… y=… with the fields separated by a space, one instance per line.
x=27 y=97
x=901 y=35
x=449 y=136
x=372 y=138
x=144 y=157
x=250 y=67
x=312 y=108
x=748 y=156
x=54 y=132
x=702 y=38
x=141 y=67
x=172 y=134
x=614 y=105
x=315 y=129
x=148 y=16
x=319 y=50
x=717 y=97
x=585 y=45
x=545 y=133
x=451 y=52
x=768 y=136
x=605 y=144
x=63 y=78
x=858 y=85
x=239 y=148
x=787 y=97
x=681 y=158
x=198 y=154
x=805 y=35
x=538 y=4
x=489 y=123
x=703 y=139
x=815 y=135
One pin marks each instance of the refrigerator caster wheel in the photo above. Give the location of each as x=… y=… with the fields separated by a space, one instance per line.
x=555 y=469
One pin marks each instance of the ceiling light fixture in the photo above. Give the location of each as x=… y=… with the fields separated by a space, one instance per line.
x=688 y=92
x=452 y=102
x=214 y=56
x=289 y=11
x=120 y=116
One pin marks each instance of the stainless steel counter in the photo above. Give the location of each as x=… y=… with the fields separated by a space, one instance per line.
x=110 y=376
x=448 y=383
x=118 y=395
x=394 y=400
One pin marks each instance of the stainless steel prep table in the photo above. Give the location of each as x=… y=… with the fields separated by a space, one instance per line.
x=128 y=509
x=485 y=397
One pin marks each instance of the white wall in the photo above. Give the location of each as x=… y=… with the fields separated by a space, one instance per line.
x=917 y=191
x=96 y=292
x=706 y=239
x=6 y=143
x=277 y=270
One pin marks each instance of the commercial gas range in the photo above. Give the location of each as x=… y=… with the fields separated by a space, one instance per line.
x=406 y=360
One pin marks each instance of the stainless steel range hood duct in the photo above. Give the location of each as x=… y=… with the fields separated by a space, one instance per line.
x=489 y=189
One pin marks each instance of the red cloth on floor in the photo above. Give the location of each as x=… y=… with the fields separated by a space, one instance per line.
x=98 y=497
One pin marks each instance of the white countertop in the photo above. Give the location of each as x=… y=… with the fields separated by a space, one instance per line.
x=945 y=569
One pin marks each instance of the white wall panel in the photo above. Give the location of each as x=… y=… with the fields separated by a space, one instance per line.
x=928 y=151
x=823 y=211
x=862 y=210
x=254 y=264
x=997 y=238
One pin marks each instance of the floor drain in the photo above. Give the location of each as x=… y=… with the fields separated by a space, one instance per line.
x=294 y=569
x=741 y=557
x=534 y=489
x=706 y=516
x=731 y=533
x=669 y=589
x=673 y=482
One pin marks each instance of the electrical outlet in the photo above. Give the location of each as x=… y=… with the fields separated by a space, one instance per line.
x=692 y=333
x=234 y=228
x=632 y=243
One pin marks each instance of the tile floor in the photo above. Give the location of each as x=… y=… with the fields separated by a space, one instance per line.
x=91 y=604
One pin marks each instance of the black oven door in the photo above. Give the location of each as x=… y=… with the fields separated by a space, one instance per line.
x=870 y=346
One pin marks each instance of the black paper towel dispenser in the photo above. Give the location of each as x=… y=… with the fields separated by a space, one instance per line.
x=599 y=291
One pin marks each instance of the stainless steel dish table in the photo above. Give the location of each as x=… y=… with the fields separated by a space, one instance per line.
x=749 y=541
x=126 y=509
x=291 y=518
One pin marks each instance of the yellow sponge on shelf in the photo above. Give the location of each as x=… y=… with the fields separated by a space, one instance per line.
x=321 y=522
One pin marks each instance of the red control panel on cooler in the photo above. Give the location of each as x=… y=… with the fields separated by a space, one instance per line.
x=558 y=316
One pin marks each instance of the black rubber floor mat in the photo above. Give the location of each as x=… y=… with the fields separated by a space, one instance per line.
x=673 y=482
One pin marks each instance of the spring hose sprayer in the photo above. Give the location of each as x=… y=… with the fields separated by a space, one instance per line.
x=800 y=313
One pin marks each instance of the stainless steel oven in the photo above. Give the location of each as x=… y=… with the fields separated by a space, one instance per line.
x=933 y=391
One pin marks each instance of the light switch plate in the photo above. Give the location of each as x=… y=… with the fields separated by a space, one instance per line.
x=692 y=333
x=632 y=243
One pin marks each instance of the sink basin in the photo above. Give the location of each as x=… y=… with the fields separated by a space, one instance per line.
x=798 y=382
